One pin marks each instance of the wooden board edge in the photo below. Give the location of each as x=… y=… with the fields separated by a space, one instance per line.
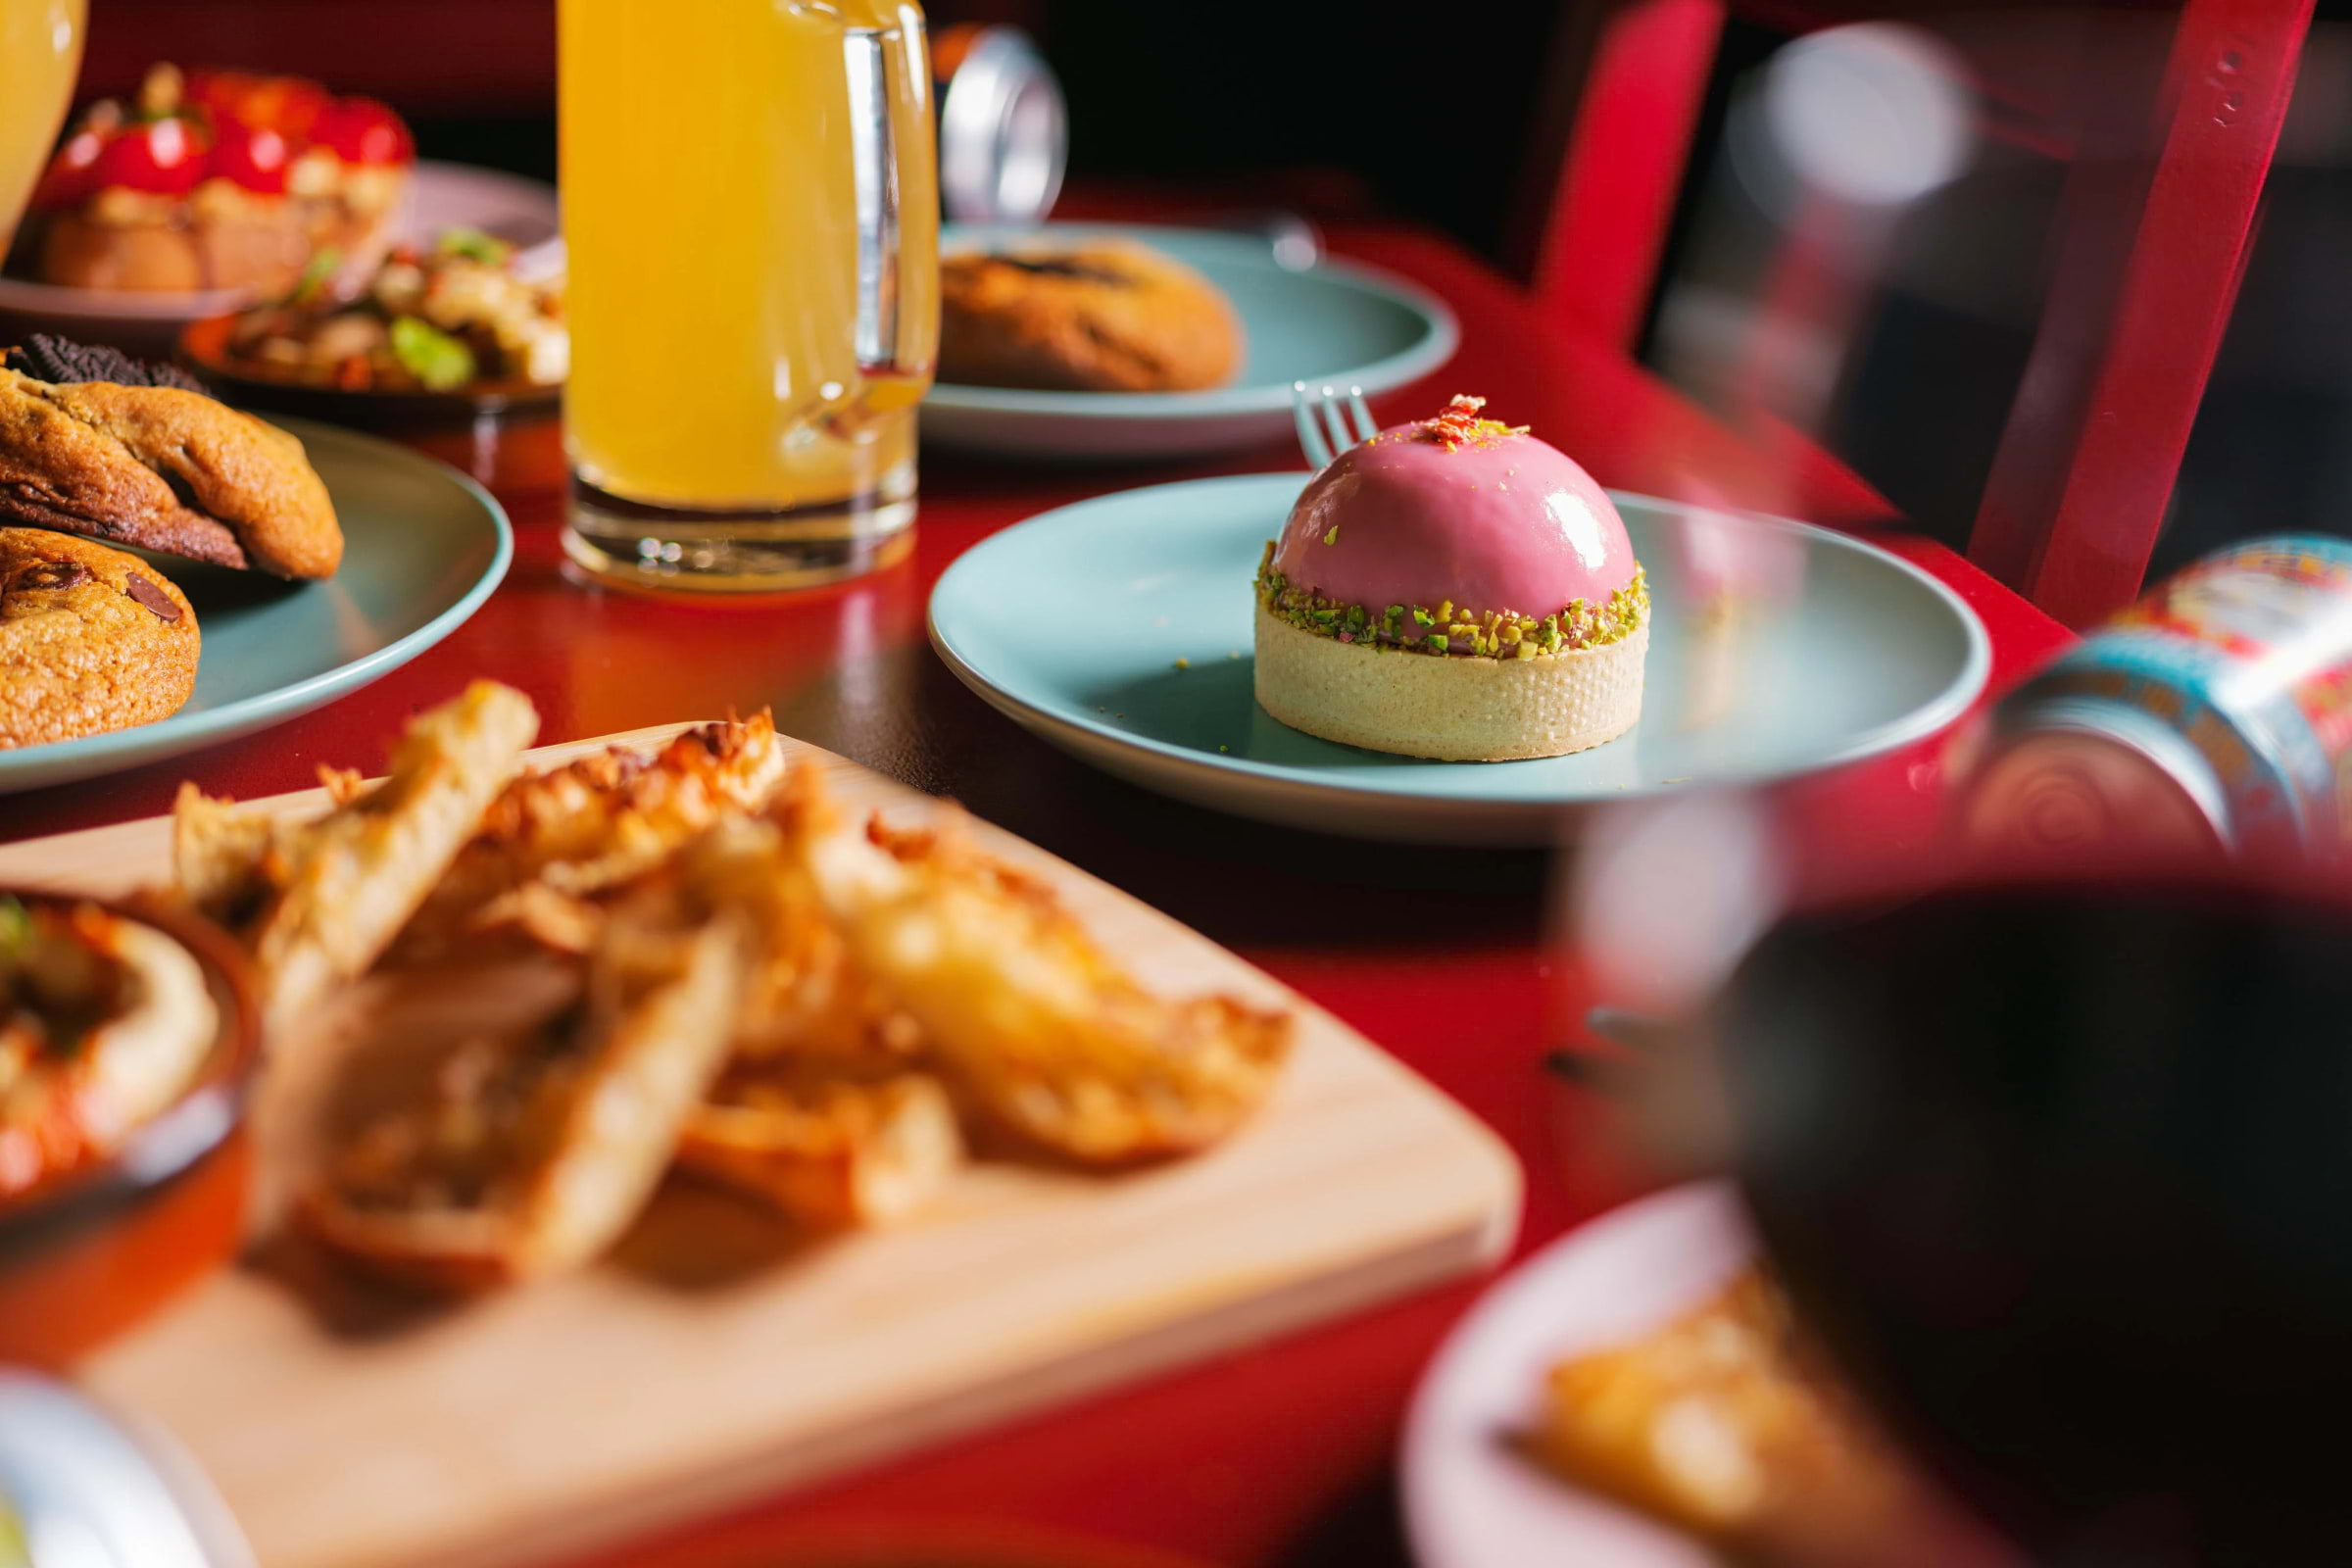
x=1471 y=1247
x=1471 y=1239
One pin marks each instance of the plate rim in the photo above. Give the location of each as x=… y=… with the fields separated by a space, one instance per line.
x=180 y=733
x=1698 y=1206
x=1931 y=716
x=1441 y=337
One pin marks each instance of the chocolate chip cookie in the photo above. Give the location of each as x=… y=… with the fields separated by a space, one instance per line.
x=91 y=639
x=94 y=443
x=1112 y=316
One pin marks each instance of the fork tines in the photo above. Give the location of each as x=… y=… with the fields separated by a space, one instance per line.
x=1324 y=421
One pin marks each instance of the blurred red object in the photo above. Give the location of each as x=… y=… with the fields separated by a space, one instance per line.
x=287 y=105
x=426 y=55
x=2167 y=125
x=901 y=1544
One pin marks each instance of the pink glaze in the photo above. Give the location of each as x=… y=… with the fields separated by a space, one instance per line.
x=1502 y=522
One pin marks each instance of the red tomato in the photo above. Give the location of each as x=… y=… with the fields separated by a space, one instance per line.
x=361 y=131
x=254 y=157
x=163 y=157
x=68 y=180
x=217 y=91
x=289 y=105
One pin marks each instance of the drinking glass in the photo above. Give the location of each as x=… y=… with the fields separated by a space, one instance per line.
x=751 y=214
x=40 y=54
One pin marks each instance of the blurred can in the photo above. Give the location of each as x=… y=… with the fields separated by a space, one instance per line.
x=2216 y=712
x=79 y=1488
x=1003 y=130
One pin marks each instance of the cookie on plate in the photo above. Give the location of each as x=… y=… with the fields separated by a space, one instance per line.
x=91 y=639
x=92 y=442
x=1111 y=316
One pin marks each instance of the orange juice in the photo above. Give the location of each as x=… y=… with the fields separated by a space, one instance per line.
x=40 y=52
x=751 y=214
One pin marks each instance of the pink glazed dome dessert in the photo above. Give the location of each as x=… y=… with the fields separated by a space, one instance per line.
x=1454 y=589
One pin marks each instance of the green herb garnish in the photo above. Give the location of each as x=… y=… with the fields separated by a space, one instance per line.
x=317 y=274
x=441 y=362
x=473 y=245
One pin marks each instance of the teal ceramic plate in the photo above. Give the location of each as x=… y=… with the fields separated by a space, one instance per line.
x=1335 y=321
x=1073 y=623
x=423 y=547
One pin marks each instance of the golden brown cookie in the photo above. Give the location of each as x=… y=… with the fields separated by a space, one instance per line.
x=1105 y=318
x=162 y=468
x=91 y=639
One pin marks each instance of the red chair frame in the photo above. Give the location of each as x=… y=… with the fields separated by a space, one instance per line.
x=2171 y=133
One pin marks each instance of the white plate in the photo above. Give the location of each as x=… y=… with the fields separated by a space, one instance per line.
x=1471 y=1500
x=1119 y=630
x=441 y=196
x=1334 y=321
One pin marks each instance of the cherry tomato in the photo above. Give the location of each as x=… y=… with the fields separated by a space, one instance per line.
x=289 y=105
x=68 y=180
x=161 y=157
x=218 y=92
x=254 y=157
x=361 y=131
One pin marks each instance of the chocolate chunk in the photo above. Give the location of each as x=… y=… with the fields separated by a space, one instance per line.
x=57 y=360
x=154 y=598
x=1064 y=266
x=54 y=574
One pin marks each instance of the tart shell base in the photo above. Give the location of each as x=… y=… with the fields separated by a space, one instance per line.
x=1453 y=708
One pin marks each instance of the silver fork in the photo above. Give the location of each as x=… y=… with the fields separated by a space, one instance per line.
x=1325 y=438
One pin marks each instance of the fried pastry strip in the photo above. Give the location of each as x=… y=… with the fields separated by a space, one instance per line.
x=809 y=997
x=534 y=1154
x=827 y=1148
x=553 y=840
x=1034 y=1024
x=1722 y=1422
x=317 y=902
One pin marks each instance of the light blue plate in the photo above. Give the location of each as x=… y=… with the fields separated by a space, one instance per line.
x=423 y=547
x=1073 y=621
x=1335 y=321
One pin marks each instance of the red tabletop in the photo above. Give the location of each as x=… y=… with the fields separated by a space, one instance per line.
x=1278 y=1453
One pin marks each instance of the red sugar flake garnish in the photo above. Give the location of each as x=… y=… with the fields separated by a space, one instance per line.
x=1459 y=422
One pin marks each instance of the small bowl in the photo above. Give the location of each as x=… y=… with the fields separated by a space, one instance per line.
x=87 y=1254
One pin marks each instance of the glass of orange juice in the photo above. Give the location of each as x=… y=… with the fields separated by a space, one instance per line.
x=751 y=214
x=40 y=53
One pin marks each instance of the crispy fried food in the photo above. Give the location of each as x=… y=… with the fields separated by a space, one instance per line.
x=825 y=1112
x=827 y=1146
x=318 y=902
x=552 y=841
x=1035 y=1026
x=1722 y=1422
x=535 y=1154
x=809 y=997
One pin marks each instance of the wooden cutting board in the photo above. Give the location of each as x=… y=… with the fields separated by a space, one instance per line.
x=716 y=1355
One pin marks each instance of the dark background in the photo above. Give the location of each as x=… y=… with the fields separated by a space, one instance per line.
x=1430 y=112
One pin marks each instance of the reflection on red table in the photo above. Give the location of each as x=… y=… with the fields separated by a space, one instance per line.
x=1257 y=1457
